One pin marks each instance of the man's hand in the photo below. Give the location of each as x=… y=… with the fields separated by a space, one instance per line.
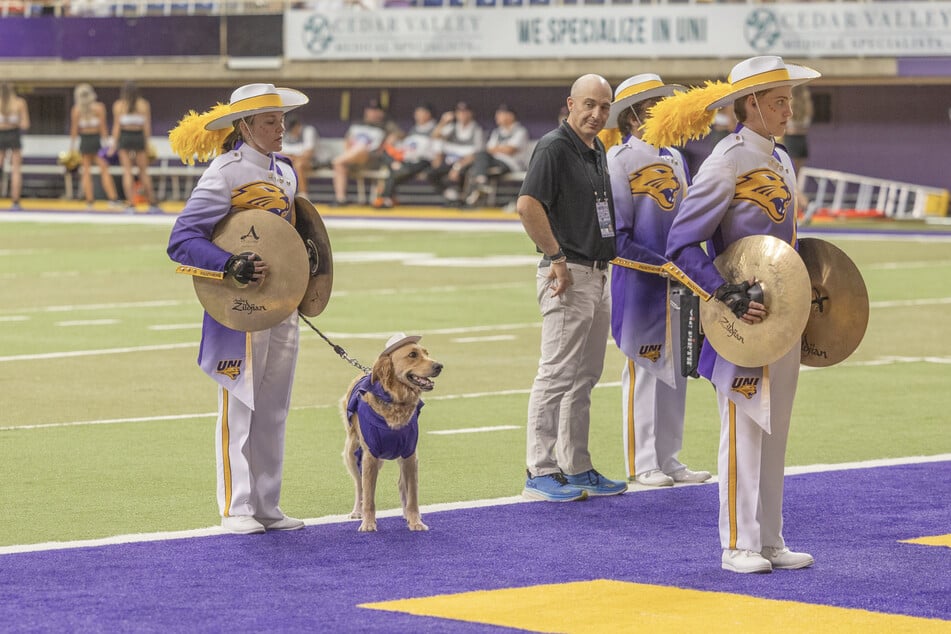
x=559 y=278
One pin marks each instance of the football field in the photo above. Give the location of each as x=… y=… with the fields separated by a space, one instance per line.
x=107 y=424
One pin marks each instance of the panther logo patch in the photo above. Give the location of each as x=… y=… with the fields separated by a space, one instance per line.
x=651 y=352
x=767 y=190
x=231 y=368
x=261 y=195
x=657 y=181
x=747 y=386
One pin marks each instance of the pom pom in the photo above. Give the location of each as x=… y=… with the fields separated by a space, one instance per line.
x=191 y=141
x=684 y=116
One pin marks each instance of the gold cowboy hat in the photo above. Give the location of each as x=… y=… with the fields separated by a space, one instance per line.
x=635 y=90
x=762 y=73
x=252 y=99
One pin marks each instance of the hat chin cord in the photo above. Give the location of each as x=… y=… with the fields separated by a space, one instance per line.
x=247 y=127
x=759 y=111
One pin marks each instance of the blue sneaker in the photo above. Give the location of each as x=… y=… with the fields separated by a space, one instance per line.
x=596 y=484
x=552 y=488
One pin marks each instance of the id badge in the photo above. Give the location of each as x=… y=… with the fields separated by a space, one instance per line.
x=604 y=218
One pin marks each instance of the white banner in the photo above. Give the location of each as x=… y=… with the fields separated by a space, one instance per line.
x=797 y=30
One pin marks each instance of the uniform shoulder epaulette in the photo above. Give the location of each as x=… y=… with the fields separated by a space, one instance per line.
x=230 y=157
x=732 y=141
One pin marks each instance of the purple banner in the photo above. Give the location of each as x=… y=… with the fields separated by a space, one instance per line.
x=74 y=38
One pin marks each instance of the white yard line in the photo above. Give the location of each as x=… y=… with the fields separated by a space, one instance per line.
x=91 y=353
x=427 y=509
x=472 y=430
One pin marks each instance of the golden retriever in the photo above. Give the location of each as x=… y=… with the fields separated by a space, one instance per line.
x=380 y=413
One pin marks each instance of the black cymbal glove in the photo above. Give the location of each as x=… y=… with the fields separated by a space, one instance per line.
x=737 y=297
x=241 y=267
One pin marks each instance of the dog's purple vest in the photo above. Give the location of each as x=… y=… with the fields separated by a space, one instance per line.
x=382 y=441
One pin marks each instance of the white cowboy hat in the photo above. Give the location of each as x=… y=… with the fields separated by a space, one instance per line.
x=762 y=73
x=635 y=90
x=252 y=99
x=398 y=341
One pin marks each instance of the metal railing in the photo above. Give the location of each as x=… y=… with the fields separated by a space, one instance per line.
x=833 y=193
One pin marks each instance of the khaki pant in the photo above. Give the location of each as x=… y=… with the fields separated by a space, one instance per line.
x=575 y=329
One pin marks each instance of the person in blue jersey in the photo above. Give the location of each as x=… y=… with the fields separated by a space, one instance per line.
x=746 y=187
x=648 y=185
x=254 y=390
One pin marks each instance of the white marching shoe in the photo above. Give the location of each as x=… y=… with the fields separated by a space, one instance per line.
x=785 y=559
x=654 y=478
x=744 y=561
x=685 y=475
x=282 y=524
x=241 y=525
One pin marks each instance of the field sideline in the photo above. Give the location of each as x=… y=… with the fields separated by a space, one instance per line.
x=107 y=424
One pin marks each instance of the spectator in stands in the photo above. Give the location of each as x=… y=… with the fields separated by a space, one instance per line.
x=744 y=188
x=647 y=184
x=87 y=125
x=300 y=145
x=459 y=137
x=14 y=121
x=362 y=148
x=506 y=151
x=131 y=129
x=244 y=137
x=410 y=156
x=566 y=208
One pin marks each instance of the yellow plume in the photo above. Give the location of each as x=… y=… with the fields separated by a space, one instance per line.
x=191 y=141
x=610 y=137
x=684 y=116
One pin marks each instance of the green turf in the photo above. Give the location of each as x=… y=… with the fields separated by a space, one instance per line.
x=95 y=480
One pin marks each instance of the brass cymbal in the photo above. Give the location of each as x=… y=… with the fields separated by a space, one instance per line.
x=311 y=228
x=838 y=315
x=257 y=306
x=782 y=274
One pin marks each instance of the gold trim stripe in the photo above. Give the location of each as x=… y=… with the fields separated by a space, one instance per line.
x=780 y=74
x=630 y=418
x=731 y=484
x=639 y=88
x=258 y=101
x=225 y=456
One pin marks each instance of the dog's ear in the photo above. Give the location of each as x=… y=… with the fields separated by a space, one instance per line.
x=383 y=370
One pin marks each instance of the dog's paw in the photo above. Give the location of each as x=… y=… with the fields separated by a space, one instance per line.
x=417 y=526
x=356 y=515
x=367 y=526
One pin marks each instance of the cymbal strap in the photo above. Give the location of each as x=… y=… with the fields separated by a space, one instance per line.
x=194 y=271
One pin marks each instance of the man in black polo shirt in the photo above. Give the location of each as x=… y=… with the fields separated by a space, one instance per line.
x=566 y=208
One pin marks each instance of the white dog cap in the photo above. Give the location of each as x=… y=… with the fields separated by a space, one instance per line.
x=399 y=340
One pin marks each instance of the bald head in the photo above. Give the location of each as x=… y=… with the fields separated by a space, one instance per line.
x=589 y=106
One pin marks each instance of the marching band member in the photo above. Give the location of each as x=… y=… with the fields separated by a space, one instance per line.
x=745 y=187
x=648 y=185
x=254 y=370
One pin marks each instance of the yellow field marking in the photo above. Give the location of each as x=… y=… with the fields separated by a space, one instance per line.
x=934 y=540
x=616 y=606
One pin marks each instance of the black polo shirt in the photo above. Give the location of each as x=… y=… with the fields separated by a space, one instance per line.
x=567 y=178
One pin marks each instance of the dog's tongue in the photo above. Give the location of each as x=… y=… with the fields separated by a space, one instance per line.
x=423 y=383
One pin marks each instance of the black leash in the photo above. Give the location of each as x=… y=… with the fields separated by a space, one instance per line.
x=340 y=351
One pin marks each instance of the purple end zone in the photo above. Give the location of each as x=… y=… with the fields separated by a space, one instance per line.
x=852 y=521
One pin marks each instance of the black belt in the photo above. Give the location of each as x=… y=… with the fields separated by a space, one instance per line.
x=601 y=265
